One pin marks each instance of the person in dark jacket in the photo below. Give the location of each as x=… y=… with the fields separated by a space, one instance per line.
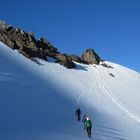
x=88 y=126
x=78 y=114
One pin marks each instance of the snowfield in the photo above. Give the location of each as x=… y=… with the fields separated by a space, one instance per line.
x=38 y=102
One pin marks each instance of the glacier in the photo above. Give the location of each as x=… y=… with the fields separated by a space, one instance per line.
x=38 y=102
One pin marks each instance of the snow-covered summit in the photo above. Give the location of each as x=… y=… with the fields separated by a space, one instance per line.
x=38 y=102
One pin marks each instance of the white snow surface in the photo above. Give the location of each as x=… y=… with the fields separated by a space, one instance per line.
x=38 y=101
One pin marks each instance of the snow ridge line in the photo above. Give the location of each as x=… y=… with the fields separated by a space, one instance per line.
x=114 y=99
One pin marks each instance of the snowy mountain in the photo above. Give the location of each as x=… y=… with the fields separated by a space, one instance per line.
x=30 y=47
x=38 y=102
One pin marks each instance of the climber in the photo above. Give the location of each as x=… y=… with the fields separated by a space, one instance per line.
x=88 y=126
x=78 y=114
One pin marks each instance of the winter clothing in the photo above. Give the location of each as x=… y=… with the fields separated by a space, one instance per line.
x=88 y=127
x=78 y=114
x=85 y=120
x=87 y=123
x=89 y=132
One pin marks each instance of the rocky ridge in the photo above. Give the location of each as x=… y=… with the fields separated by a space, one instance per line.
x=26 y=44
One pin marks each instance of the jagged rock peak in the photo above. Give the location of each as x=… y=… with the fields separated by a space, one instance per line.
x=26 y=44
x=90 y=56
x=76 y=58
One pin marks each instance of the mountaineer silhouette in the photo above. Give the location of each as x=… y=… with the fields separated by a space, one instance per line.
x=78 y=114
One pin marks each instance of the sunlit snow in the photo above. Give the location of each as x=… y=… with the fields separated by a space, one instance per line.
x=38 y=102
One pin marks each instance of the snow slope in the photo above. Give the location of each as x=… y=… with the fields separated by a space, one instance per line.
x=38 y=102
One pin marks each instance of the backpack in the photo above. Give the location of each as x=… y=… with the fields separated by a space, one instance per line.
x=88 y=124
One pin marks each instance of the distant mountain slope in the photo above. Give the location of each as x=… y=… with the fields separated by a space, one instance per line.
x=38 y=102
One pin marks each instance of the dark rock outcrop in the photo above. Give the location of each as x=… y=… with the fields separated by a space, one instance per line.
x=44 y=44
x=26 y=44
x=111 y=74
x=90 y=57
x=65 y=60
x=46 y=49
x=75 y=58
x=106 y=65
x=17 y=39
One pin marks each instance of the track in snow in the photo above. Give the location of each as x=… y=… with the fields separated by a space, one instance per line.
x=100 y=132
x=112 y=98
x=107 y=133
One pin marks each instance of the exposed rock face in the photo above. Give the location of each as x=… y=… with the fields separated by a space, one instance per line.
x=65 y=60
x=90 y=57
x=18 y=39
x=75 y=58
x=111 y=74
x=26 y=44
x=43 y=43
x=46 y=49
x=107 y=66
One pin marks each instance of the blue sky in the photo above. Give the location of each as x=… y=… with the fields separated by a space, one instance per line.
x=110 y=27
